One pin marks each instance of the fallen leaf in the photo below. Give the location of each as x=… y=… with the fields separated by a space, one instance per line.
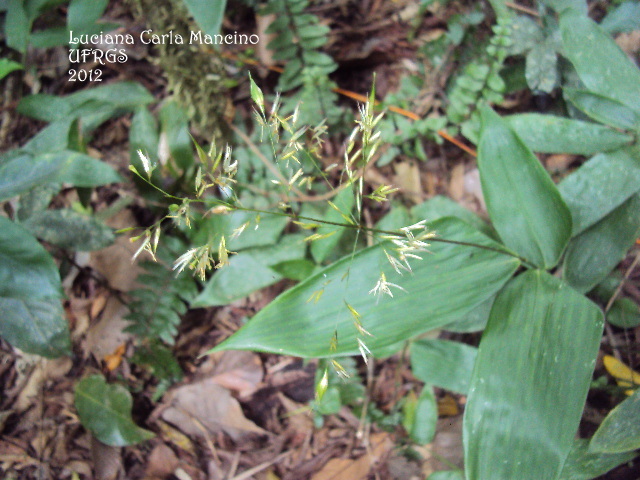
x=407 y=178
x=625 y=376
x=113 y=360
x=456 y=184
x=358 y=469
x=162 y=462
x=107 y=461
x=238 y=370
x=206 y=405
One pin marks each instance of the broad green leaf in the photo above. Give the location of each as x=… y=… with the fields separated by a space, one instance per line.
x=578 y=6
x=105 y=410
x=35 y=325
x=624 y=313
x=622 y=18
x=583 y=465
x=601 y=65
x=43 y=106
x=550 y=134
x=82 y=170
x=249 y=271
x=27 y=271
x=619 y=432
x=530 y=381
x=439 y=206
x=600 y=185
x=16 y=26
x=36 y=200
x=397 y=218
x=208 y=15
x=297 y=269
x=320 y=249
x=447 y=475
x=425 y=417
x=52 y=138
x=475 y=320
x=7 y=66
x=541 y=69
x=49 y=37
x=259 y=231
x=596 y=251
x=445 y=285
x=524 y=205
x=24 y=172
x=525 y=34
x=69 y=229
x=602 y=109
x=443 y=363
x=82 y=13
x=175 y=127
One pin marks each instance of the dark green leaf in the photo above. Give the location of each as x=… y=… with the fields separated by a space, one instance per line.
x=43 y=106
x=622 y=18
x=16 y=26
x=297 y=269
x=36 y=200
x=475 y=320
x=444 y=286
x=83 y=13
x=439 y=207
x=602 y=109
x=597 y=250
x=530 y=381
x=249 y=271
x=550 y=134
x=522 y=200
x=619 y=432
x=208 y=15
x=443 y=363
x=599 y=186
x=525 y=34
x=35 y=325
x=50 y=37
x=52 y=138
x=82 y=170
x=601 y=65
x=66 y=228
x=320 y=249
x=105 y=410
x=7 y=66
x=27 y=271
x=582 y=465
x=425 y=418
x=175 y=126
x=24 y=172
x=624 y=313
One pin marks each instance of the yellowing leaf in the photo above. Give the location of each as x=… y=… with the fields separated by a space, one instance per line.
x=625 y=376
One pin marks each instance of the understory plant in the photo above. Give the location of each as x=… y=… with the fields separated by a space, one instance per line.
x=522 y=279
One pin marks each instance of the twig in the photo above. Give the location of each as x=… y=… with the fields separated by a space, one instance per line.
x=258 y=468
x=523 y=9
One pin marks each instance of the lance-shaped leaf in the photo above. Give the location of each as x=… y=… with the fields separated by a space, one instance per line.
x=448 y=283
x=551 y=134
x=601 y=65
x=619 y=432
x=443 y=363
x=530 y=380
x=583 y=465
x=526 y=208
x=602 y=109
x=596 y=251
x=105 y=410
x=600 y=185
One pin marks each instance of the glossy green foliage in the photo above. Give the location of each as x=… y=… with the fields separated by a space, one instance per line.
x=601 y=65
x=524 y=204
x=619 y=432
x=597 y=250
x=530 y=381
x=444 y=286
x=600 y=185
x=551 y=134
x=584 y=465
x=443 y=363
x=105 y=410
x=30 y=295
x=69 y=229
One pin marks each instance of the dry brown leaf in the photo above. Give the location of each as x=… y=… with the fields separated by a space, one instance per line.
x=448 y=407
x=456 y=184
x=239 y=371
x=206 y=405
x=358 y=469
x=264 y=54
x=629 y=42
x=473 y=186
x=447 y=443
x=162 y=462
x=107 y=461
x=407 y=178
x=176 y=437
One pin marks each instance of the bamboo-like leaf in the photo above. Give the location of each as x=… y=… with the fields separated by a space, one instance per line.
x=551 y=134
x=601 y=65
x=600 y=185
x=530 y=380
x=443 y=363
x=619 y=432
x=601 y=108
x=444 y=286
x=526 y=208
x=596 y=251
x=582 y=465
